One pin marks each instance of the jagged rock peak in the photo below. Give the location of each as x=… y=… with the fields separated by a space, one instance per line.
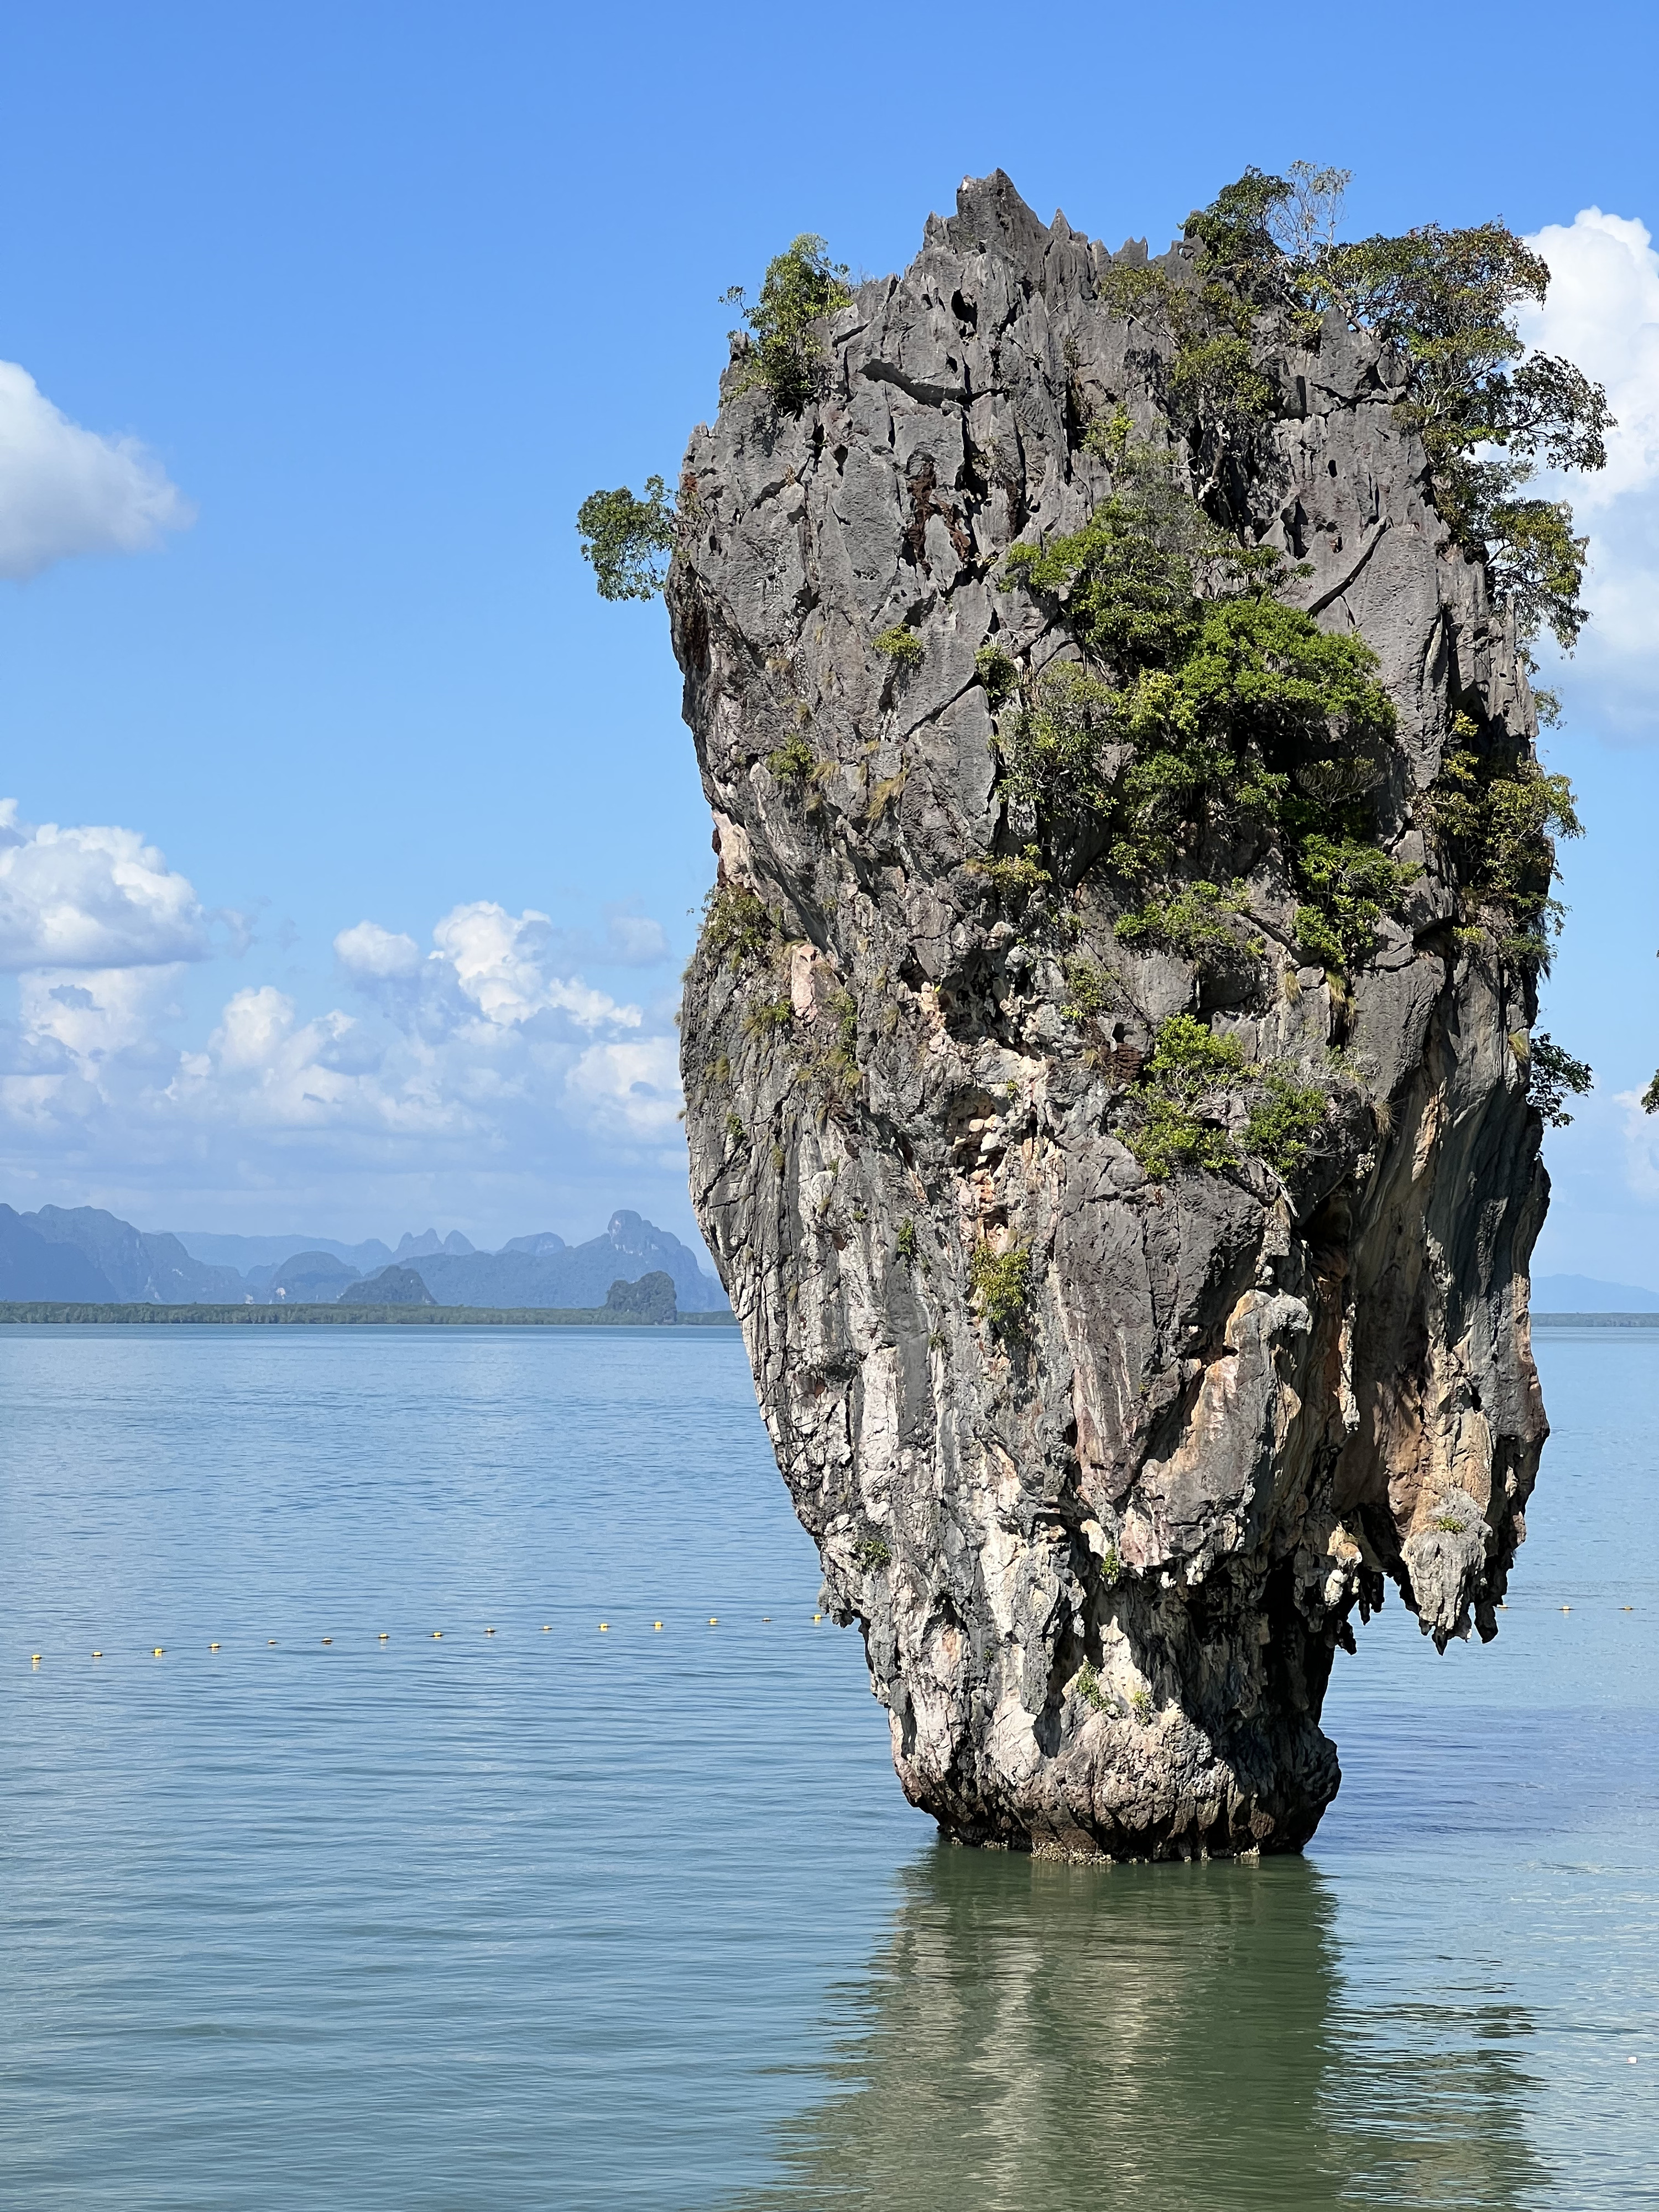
x=1102 y=1456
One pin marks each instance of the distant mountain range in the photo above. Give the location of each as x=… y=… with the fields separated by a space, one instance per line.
x=81 y=1254
x=1584 y=1294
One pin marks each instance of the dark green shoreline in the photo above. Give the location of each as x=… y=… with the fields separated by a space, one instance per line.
x=1595 y=1320
x=27 y=1311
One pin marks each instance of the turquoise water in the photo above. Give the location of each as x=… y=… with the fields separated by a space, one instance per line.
x=564 y=1917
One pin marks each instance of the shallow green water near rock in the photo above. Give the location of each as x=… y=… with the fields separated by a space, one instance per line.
x=637 y=1918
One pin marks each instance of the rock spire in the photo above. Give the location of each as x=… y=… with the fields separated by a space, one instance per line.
x=1102 y=1461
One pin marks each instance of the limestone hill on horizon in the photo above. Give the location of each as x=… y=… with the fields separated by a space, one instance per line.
x=87 y=1253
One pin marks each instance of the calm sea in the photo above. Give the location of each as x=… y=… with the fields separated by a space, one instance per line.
x=636 y=1916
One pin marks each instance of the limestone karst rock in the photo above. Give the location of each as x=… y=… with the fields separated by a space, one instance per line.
x=1103 y=1517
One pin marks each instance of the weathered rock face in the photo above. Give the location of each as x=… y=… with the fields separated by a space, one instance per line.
x=1100 y=1559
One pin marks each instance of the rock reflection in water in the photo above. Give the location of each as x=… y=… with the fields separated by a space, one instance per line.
x=1034 y=2035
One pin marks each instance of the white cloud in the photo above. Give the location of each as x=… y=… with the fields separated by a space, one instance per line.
x=91 y=898
x=65 y=490
x=500 y=964
x=632 y=940
x=485 y=1055
x=629 y=1090
x=370 y=953
x=1602 y=312
x=1640 y=1132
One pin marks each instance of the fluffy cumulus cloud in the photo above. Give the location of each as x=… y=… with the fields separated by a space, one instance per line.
x=65 y=490
x=483 y=1052
x=1603 y=311
x=91 y=898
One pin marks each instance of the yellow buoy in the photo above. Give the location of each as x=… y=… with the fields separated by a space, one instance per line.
x=489 y=1631
x=712 y=1622
x=656 y=1623
x=34 y=1658
x=384 y=1638
x=1627 y=1608
x=158 y=1653
x=97 y=1655
x=213 y=1647
x=605 y=1624
x=437 y=1636
x=328 y=1639
x=818 y=1616
x=547 y=1628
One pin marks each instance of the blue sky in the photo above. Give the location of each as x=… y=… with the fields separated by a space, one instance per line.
x=382 y=292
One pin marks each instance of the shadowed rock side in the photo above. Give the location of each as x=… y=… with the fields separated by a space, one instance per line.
x=1101 y=1557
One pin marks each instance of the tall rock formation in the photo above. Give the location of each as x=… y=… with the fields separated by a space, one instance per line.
x=1101 y=1460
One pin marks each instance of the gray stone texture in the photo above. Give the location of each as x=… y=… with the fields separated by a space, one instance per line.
x=1101 y=1563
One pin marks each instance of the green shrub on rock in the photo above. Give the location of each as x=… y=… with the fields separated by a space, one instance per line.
x=900 y=645
x=801 y=285
x=736 y=925
x=1181 y=1095
x=627 y=539
x=1001 y=1284
x=1284 y=1120
x=1553 y=1075
x=998 y=675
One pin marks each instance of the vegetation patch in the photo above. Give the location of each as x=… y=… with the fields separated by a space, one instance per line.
x=1190 y=1068
x=1210 y=718
x=627 y=540
x=1495 y=813
x=1265 y=267
x=801 y=285
x=1091 y=989
x=736 y=925
x=768 y=1016
x=1015 y=877
x=1553 y=1077
x=1285 y=1118
x=794 y=760
x=1194 y=921
x=997 y=674
x=900 y=645
x=1183 y=1091
x=1001 y=1285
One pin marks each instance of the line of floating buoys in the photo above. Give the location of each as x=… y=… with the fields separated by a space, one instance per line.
x=159 y=1651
